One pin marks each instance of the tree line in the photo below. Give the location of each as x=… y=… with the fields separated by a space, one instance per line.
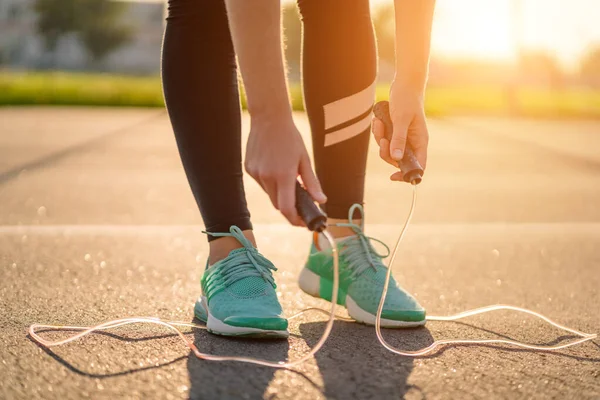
x=97 y=24
x=100 y=28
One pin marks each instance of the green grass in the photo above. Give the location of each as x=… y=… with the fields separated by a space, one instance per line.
x=79 y=89
x=62 y=88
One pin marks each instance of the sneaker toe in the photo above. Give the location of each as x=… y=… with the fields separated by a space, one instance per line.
x=265 y=323
x=404 y=315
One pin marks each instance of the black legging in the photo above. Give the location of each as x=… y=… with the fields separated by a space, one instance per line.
x=201 y=91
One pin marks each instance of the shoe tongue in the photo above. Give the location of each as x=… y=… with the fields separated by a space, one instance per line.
x=249 y=287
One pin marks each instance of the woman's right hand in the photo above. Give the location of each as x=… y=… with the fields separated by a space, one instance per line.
x=410 y=127
x=275 y=157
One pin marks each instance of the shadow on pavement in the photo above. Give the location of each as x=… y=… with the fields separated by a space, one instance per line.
x=88 y=374
x=558 y=340
x=223 y=380
x=353 y=363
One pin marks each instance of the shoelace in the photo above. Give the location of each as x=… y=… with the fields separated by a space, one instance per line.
x=243 y=262
x=359 y=249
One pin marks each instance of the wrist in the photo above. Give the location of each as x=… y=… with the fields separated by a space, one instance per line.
x=270 y=112
x=410 y=81
x=271 y=122
x=411 y=87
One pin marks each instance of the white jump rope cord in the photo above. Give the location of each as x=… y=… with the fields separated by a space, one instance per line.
x=172 y=325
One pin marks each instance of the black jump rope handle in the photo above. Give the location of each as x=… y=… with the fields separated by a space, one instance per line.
x=410 y=167
x=314 y=218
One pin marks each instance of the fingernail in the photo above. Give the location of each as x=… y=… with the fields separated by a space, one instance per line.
x=397 y=154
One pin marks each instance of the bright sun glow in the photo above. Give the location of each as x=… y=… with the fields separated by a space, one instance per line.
x=465 y=27
x=497 y=29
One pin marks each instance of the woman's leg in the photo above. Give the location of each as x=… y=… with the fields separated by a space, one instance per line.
x=339 y=72
x=201 y=92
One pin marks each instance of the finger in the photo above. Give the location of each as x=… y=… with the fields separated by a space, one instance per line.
x=378 y=129
x=310 y=181
x=384 y=152
x=419 y=141
x=398 y=142
x=270 y=187
x=286 y=198
x=397 y=176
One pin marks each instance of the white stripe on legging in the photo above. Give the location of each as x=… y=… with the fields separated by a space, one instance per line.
x=348 y=108
x=348 y=132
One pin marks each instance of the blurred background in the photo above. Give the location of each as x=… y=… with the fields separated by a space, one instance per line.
x=518 y=57
x=97 y=220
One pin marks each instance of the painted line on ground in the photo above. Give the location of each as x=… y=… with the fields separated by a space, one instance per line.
x=559 y=228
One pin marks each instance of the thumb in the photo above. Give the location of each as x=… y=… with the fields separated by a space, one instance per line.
x=398 y=142
x=310 y=181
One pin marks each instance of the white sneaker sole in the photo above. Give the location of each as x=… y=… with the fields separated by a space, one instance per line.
x=218 y=327
x=310 y=283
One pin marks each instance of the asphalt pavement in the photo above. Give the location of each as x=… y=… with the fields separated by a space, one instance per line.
x=97 y=222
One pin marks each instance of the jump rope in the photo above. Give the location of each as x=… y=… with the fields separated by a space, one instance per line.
x=316 y=221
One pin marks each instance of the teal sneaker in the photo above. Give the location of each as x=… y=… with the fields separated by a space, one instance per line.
x=238 y=294
x=362 y=275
